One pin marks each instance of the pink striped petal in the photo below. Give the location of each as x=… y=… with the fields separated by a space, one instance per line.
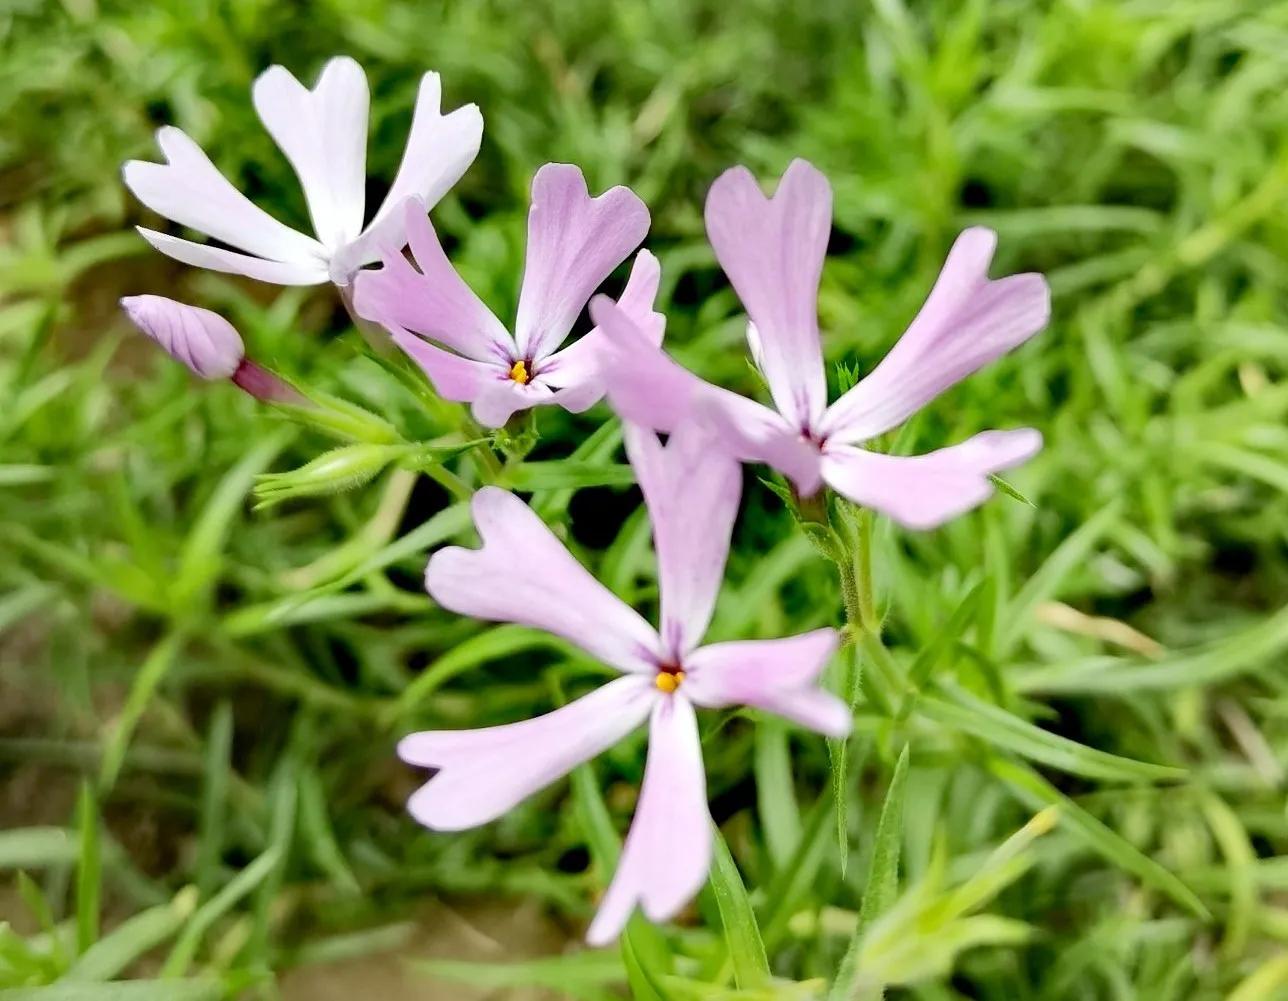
x=433 y=302
x=668 y=850
x=575 y=371
x=502 y=398
x=484 y=773
x=772 y=249
x=924 y=491
x=189 y=190
x=645 y=386
x=692 y=492
x=461 y=380
x=323 y=133
x=574 y=243
x=815 y=710
x=967 y=322
x=779 y=676
x=524 y=574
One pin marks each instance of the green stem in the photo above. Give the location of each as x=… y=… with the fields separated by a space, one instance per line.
x=449 y=481
x=489 y=466
x=849 y=580
x=855 y=573
x=867 y=603
x=863 y=624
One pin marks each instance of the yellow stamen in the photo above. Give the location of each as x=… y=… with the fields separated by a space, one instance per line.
x=668 y=681
x=519 y=373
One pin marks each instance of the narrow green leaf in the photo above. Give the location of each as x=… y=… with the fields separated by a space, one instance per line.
x=66 y=560
x=1226 y=658
x=641 y=980
x=397 y=937
x=300 y=609
x=853 y=680
x=38 y=905
x=124 y=990
x=685 y=989
x=143 y=687
x=25 y=601
x=933 y=652
x=1009 y=490
x=200 y=559
x=112 y=955
x=1036 y=792
x=792 y=882
x=240 y=886
x=742 y=933
x=1241 y=859
x=319 y=838
x=340 y=419
x=449 y=522
x=37 y=848
x=568 y=474
x=15 y=474
x=597 y=448
x=498 y=642
x=282 y=820
x=964 y=712
x=883 y=879
x=1265 y=983
x=581 y=975
x=1246 y=462
x=1068 y=556
x=1027 y=223
x=89 y=870
x=601 y=839
x=775 y=799
x=216 y=768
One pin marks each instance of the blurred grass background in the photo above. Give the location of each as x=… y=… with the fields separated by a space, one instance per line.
x=225 y=686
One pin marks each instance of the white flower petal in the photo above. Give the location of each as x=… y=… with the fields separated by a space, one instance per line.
x=323 y=132
x=189 y=190
x=230 y=262
x=440 y=148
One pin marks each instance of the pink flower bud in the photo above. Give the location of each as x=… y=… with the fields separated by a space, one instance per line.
x=204 y=341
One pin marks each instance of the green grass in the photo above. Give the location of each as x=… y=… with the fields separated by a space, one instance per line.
x=227 y=684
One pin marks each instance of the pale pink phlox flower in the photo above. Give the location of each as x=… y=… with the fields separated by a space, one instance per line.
x=574 y=243
x=523 y=574
x=772 y=249
x=323 y=133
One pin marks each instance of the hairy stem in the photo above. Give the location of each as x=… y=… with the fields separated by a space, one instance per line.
x=855 y=573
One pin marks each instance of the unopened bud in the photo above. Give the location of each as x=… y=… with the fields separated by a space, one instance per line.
x=204 y=341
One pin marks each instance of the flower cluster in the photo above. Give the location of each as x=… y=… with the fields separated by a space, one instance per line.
x=772 y=249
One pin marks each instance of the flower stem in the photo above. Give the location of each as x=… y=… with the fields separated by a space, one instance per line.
x=862 y=621
x=855 y=572
x=266 y=386
x=867 y=602
x=489 y=466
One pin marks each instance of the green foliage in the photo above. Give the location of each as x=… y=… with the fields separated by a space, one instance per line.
x=224 y=686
